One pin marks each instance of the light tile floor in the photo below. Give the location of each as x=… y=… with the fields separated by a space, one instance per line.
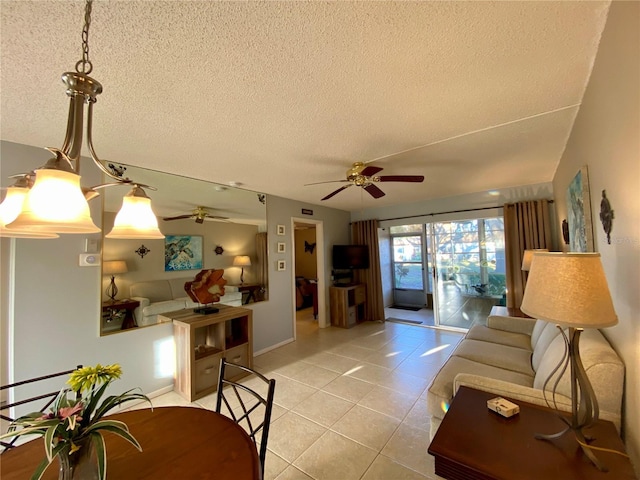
x=349 y=404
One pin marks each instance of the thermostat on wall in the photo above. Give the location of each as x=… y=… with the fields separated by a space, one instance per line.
x=89 y=260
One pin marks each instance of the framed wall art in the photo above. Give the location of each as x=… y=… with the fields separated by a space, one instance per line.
x=282 y=265
x=182 y=252
x=579 y=213
x=281 y=247
x=280 y=230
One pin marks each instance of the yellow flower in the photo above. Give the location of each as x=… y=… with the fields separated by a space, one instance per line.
x=87 y=377
x=74 y=448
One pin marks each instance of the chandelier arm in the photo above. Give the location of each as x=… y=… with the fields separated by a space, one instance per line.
x=94 y=155
x=70 y=127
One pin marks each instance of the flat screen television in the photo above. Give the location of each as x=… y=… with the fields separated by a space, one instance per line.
x=348 y=257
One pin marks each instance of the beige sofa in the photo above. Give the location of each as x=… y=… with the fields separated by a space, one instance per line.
x=160 y=296
x=512 y=357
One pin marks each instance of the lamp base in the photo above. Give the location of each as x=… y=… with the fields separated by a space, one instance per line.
x=584 y=408
x=205 y=310
x=112 y=290
x=582 y=441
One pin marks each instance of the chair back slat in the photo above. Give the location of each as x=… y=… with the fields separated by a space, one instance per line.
x=257 y=425
x=13 y=389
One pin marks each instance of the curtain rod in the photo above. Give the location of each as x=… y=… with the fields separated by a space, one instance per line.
x=443 y=213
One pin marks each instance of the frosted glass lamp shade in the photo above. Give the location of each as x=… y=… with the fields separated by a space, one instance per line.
x=10 y=208
x=55 y=204
x=136 y=219
x=569 y=289
x=528 y=257
x=242 y=261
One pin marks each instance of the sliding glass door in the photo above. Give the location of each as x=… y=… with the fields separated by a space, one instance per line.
x=469 y=273
x=407 y=265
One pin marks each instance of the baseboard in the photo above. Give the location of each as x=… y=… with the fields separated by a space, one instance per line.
x=273 y=347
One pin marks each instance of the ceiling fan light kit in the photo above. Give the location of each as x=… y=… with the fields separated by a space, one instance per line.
x=364 y=176
x=55 y=201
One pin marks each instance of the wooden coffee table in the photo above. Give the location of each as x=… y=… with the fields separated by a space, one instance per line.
x=474 y=443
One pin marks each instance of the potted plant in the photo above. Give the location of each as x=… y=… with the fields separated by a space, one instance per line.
x=73 y=428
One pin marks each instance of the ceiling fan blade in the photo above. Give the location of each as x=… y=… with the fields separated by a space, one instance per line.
x=216 y=217
x=179 y=217
x=371 y=170
x=328 y=181
x=400 y=178
x=336 y=192
x=374 y=191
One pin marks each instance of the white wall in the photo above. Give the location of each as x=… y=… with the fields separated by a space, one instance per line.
x=605 y=138
x=432 y=210
x=57 y=303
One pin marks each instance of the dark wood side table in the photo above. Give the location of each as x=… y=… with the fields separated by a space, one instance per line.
x=474 y=443
x=250 y=291
x=122 y=307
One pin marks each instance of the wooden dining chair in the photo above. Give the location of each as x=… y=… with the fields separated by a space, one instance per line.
x=248 y=402
x=44 y=399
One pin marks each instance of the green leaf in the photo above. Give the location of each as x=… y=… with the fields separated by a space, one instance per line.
x=48 y=441
x=101 y=454
x=113 y=401
x=90 y=406
x=117 y=428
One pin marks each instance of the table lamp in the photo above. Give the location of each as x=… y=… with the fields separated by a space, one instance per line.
x=112 y=268
x=570 y=290
x=528 y=256
x=242 y=261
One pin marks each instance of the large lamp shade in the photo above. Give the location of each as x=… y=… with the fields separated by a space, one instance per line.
x=569 y=289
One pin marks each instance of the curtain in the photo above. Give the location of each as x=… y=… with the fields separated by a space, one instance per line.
x=526 y=226
x=263 y=267
x=366 y=233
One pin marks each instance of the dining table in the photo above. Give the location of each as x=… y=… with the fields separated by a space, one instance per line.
x=177 y=443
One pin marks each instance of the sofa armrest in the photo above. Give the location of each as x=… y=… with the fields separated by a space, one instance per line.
x=137 y=312
x=511 y=324
x=522 y=393
x=513 y=391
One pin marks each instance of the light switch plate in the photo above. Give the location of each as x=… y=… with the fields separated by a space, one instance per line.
x=89 y=259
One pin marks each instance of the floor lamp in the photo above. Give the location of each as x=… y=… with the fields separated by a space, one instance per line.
x=570 y=290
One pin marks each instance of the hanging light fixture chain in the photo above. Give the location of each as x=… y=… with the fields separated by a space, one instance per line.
x=85 y=66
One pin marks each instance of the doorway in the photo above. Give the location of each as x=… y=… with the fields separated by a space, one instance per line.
x=308 y=273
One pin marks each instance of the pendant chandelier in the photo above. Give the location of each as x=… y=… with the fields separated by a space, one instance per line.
x=49 y=200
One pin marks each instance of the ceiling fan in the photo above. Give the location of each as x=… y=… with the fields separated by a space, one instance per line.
x=364 y=176
x=199 y=214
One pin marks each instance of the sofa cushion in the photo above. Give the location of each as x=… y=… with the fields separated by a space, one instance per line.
x=537 y=330
x=441 y=390
x=502 y=356
x=163 y=307
x=512 y=339
x=177 y=287
x=601 y=363
x=154 y=290
x=549 y=332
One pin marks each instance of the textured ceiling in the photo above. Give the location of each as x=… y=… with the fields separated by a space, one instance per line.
x=274 y=95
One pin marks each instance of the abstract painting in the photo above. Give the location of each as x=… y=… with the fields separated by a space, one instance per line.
x=182 y=252
x=579 y=213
